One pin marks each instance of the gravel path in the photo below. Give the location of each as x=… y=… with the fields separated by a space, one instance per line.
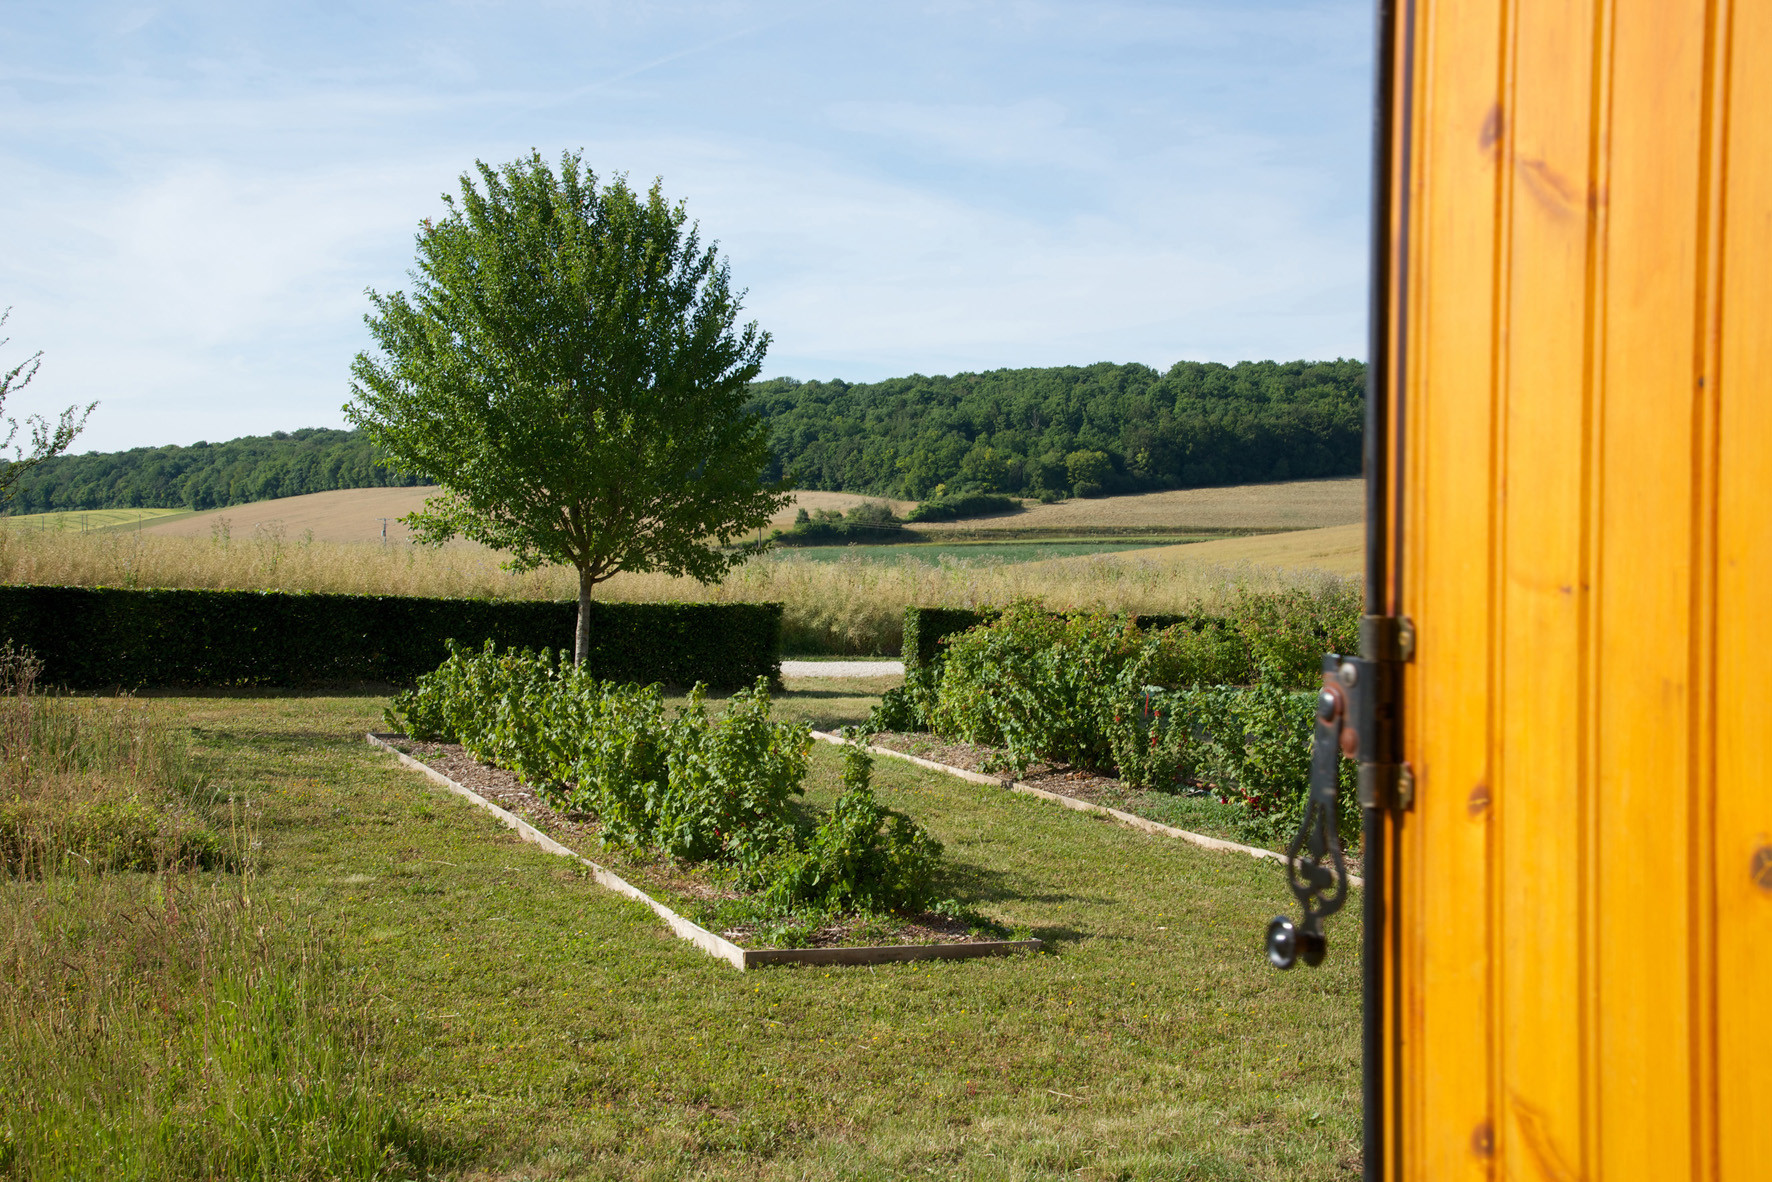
x=841 y=668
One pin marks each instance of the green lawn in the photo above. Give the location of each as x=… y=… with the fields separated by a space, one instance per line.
x=533 y=1025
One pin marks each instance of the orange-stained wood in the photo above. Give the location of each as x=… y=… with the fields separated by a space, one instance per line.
x=1742 y=774
x=1585 y=317
x=1460 y=135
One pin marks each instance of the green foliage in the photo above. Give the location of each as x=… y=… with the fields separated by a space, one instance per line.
x=730 y=782
x=103 y=637
x=1250 y=745
x=1289 y=631
x=1012 y=431
x=955 y=506
x=862 y=857
x=1035 y=684
x=697 y=788
x=210 y=475
x=569 y=370
x=1167 y=707
x=1215 y=653
x=1089 y=472
x=872 y=521
x=926 y=627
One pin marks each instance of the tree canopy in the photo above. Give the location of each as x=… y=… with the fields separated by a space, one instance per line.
x=1225 y=424
x=1033 y=430
x=569 y=368
x=210 y=475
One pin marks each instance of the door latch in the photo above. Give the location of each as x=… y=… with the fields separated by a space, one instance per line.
x=1357 y=718
x=1316 y=870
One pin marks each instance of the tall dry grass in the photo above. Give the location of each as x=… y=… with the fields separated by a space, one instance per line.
x=847 y=606
x=160 y=1024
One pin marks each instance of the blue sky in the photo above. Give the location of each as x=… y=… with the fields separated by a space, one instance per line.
x=197 y=195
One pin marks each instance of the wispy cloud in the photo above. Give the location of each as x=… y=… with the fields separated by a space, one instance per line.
x=198 y=194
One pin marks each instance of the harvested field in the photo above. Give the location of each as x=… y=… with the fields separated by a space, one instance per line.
x=1337 y=549
x=1290 y=505
x=355 y=514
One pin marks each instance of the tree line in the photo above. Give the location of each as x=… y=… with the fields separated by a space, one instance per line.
x=1031 y=432
x=1072 y=429
x=208 y=475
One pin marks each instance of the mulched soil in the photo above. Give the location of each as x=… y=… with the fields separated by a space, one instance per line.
x=654 y=873
x=1052 y=777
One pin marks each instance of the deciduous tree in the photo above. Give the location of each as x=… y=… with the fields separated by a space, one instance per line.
x=569 y=368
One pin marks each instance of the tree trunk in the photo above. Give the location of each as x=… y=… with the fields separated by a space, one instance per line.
x=582 y=642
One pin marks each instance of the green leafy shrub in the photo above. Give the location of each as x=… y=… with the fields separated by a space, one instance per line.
x=1214 y=654
x=700 y=789
x=1036 y=685
x=730 y=781
x=1168 y=708
x=1289 y=631
x=963 y=505
x=863 y=856
x=872 y=521
x=1251 y=746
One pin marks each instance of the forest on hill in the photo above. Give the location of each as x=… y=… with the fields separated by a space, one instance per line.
x=1097 y=428
x=1034 y=432
x=207 y=475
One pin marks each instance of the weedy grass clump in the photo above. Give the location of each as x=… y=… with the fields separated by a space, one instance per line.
x=95 y=786
x=718 y=791
x=166 y=1025
x=154 y=1021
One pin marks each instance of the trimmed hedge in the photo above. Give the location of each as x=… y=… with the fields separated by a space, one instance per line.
x=926 y=627
x=102 y=637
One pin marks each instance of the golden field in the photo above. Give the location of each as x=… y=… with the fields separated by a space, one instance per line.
x=852 y=605
x=343 y=515
x=360 y=514
x=1288 y=505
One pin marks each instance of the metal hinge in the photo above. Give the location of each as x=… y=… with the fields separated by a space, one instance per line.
x=1387 y=638
x=1375 y=684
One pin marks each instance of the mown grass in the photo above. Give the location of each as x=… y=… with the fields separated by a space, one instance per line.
x=528 y=1024
x=849 y=605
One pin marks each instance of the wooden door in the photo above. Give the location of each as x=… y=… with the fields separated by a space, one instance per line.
x=1581 y=905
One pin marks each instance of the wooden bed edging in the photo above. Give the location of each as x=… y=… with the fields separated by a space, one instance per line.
x=1081 y=806
x=714 y=945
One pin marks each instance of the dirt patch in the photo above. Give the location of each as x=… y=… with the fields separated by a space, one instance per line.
x=659 y=875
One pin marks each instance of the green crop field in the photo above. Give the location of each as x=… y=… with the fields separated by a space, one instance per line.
x=87 y=520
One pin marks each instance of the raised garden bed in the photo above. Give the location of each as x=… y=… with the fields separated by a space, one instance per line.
x=671 y=889
x=1074 y=788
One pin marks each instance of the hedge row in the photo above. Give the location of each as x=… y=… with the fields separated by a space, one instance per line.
x=926 y=627
x=103 y=637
